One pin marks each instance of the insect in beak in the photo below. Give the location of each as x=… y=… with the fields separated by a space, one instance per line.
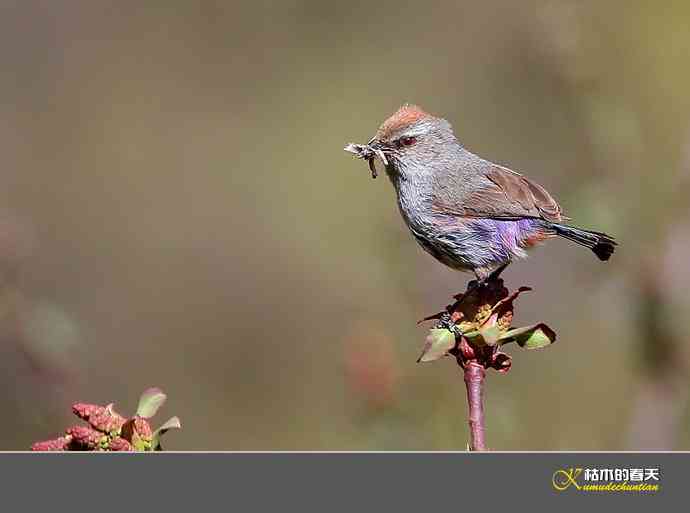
x=369 y=152
x=372 y=167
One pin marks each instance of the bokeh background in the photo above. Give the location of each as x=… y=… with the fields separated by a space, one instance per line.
x=176 y=210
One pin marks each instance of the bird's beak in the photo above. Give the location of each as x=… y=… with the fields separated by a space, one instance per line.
x=369 y=152
x=377 y=149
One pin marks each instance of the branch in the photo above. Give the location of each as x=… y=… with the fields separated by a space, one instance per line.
x=474 y=382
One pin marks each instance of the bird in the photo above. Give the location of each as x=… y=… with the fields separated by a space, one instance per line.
x=469 y=213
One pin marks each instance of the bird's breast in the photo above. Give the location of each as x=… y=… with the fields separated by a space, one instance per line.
x=414 y=203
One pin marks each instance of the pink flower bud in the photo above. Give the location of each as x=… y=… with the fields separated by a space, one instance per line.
x=143 y=428
x=120 y=444
x=86 y=436
x=103 y=418
x=84 y=410
x=58 y=444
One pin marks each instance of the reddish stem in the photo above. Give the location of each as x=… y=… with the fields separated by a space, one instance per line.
x=474 y=381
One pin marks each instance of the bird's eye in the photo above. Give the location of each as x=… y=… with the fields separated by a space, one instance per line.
x=407 y=141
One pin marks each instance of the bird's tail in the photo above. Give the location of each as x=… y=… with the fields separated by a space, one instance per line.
x=602 y=245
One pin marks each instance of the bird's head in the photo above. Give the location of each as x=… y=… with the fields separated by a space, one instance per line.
x=407 y=142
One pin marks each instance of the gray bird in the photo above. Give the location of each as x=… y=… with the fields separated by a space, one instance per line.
x=468 y=213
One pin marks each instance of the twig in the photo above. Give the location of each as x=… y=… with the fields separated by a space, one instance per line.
x=474 y=382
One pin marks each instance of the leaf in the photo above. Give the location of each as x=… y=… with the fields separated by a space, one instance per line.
x=149 y=402
x=490 y=330
x=432 y=317
x=491 y=335
x=474 y=336
x=172 y=423
x=507 y=302
x=503 y=310
x=437 y=344
x=530 y=337
x=486 y=336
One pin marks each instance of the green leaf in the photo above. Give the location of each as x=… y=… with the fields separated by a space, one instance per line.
x=491 y=335
x=530 y=337
x=172 y=423
x=487 y=336
x=437 y=344
x=149 y=402
x=472 y=334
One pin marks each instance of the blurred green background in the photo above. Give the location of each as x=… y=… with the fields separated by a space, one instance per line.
x=176 y=210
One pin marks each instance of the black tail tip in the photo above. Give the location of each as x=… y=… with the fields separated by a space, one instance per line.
x=604 y=249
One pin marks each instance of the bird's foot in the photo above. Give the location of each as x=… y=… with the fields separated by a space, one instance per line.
x=497 y=272
x=484 y=279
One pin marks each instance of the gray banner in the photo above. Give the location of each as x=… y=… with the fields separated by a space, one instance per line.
x=343 y=481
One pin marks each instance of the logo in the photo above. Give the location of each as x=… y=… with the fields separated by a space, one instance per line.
x=612 y=480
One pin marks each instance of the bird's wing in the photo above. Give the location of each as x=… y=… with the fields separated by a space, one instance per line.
x=504 y=194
